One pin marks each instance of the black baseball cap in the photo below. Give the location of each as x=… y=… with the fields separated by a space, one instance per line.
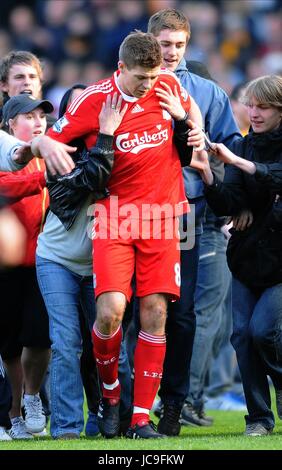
x=22 y=104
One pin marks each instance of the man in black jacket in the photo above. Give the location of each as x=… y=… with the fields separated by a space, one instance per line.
x=253 y=181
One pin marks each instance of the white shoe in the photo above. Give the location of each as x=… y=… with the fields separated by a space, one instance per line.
x=225 y=402
x=4 y=436
x=35 y=420
x=43 y=433
x=18 y=429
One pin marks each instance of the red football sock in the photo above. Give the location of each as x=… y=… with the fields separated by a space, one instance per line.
x=106 y=350
x=148 y=365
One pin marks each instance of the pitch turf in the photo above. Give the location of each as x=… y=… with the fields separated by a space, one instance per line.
x=225 y=434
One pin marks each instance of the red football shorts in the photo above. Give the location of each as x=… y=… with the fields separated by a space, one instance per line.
x=150 y=248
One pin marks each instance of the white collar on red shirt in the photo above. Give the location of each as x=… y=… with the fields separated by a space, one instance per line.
x=131 y=99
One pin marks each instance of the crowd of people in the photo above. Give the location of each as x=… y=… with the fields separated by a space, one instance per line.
x=78 y=40
x=131 y=273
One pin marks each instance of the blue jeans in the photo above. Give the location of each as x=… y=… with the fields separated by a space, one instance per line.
x=257 y=339
x=64 y=293
x=223 y=368
x=211 y=298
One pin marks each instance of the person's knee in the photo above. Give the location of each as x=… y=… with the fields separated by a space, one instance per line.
x=110 y=310
x=66 y=341
x=153 y=314
x=35 y=356
x=66 y=352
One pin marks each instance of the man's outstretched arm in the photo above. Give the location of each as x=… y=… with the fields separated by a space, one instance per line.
x=55 y=154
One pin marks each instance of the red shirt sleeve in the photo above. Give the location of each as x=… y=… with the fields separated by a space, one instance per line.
x=80 y=119
x=17 y=186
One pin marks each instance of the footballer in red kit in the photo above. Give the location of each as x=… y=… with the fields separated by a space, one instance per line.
x=146 y=191
x=146 y=173
x=146 y=168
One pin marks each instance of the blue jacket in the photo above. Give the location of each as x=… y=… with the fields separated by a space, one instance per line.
x=217 y=115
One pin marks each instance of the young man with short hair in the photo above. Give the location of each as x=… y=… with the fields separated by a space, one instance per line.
x=20 y=72
x=172 y=30
x=130 y=237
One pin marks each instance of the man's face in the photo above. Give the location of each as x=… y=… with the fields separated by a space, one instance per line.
x=263 y=117
x=137 y=81
x=22 y=78
x=173 y=46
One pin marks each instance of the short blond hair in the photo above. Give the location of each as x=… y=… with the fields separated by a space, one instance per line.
x=266 y=90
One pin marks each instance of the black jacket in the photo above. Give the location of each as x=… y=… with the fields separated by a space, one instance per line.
x=255 y=254
x=90 y=175
x=92 y=172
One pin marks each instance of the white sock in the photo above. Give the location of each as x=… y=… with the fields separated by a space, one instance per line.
x=30 y=397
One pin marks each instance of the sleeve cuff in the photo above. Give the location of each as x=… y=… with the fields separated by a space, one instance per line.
x=215 y=185
x=14 y=165
x=181 y=127
x=105 y=142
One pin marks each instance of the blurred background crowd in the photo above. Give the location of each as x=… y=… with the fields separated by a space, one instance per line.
x=78 y=40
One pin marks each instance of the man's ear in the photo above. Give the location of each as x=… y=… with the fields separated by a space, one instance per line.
x=121 y=66
x=10 y=126
x=3 y=86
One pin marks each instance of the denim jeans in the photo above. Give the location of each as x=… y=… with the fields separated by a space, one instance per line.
x=257 y=339
x=223 y=367
x=212 y=297
x=224 y=374
x=64 y=293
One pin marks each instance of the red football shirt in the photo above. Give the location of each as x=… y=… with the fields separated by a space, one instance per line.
x=146 y=172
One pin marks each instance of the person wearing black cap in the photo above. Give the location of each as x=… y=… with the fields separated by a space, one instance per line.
x=24 y=338
x=24 y=104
